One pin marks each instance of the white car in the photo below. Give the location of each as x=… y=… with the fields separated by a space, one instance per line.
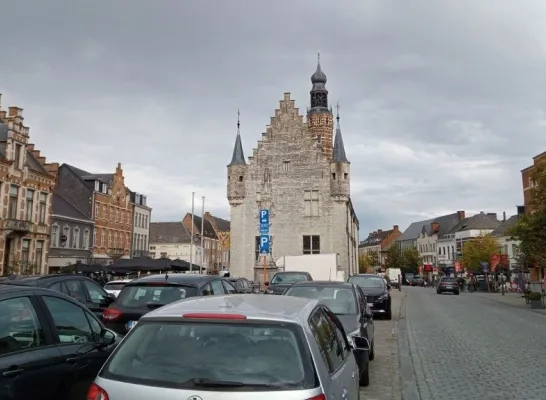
x=114 y=287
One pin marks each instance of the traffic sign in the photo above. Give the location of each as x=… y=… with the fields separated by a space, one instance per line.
x=264 y=229
x=264 y=244
x=264 y=216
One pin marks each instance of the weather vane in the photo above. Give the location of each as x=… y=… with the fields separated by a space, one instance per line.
x=238 y=116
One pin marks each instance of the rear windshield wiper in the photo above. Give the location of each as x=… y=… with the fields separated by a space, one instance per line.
x=202 y=382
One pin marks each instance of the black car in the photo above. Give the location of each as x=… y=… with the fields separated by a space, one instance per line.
x=51 y=346
x=348 y=303
x=242 y=285
x=448 y=284
x=283 y=280
x=79 y=287
x=143 y=295
x=377 y=293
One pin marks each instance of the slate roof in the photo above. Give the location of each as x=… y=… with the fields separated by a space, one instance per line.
x=338 y=153
x=168 y=232
x=222 y=224
x=238 y=157
x=476 y=222
x=375 y=238
x=445 y=224
x=208 y=232
x=62 y=207
x=502 y=230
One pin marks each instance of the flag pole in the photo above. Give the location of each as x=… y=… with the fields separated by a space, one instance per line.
x=191 y=238
x=202 y=232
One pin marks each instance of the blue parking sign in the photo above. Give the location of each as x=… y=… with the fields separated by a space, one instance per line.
x=264 y=244
x=264 y=216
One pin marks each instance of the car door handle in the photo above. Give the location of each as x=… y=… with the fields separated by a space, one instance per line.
x=72 y=360
x=12 y=373
x=344 y=394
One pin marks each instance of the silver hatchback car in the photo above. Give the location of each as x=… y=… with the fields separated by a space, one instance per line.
x=232 y=348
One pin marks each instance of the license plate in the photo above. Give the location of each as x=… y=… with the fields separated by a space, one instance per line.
x=130 y=325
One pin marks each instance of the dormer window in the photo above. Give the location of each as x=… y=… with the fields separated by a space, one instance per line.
x=97 y=186
x=143 y=200
x=104 y=188
x=137 y=198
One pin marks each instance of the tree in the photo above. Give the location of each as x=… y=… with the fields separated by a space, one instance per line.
x=395 y=258
x=412 y=260
x=477 y=250
x=364 y=262
x=529 y=229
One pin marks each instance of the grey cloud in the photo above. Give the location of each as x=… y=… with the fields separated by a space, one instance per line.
x=428 y=90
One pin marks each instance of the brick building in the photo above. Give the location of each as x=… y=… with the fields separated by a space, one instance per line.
x=26 y=186
x=105 y=199
x=377 y=244
x=302 y=179
x=527 y=181
x=222 y=229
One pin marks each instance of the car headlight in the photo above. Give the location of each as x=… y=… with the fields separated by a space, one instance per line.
x=383 y=297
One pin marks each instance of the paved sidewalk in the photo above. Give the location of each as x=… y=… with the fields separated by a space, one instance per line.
x=384 y=369
x=510 y=299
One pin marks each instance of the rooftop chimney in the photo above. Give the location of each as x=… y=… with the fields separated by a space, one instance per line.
x=461 y=215
x=379 y=230
x=504 y=215
x=395 y=227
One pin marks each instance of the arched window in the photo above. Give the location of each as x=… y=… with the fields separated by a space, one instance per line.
x=55 y=235
x=76 y=238
x=66 y=237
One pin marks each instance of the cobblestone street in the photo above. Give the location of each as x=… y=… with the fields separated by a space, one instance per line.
x=384 y=369
x=470 y=347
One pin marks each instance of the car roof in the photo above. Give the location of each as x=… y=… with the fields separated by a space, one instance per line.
x=292 y=272
x=253 y=306
x=338 y=284
x=32 y=280
x=187 y=279
x=119 y=281
x=366 y=275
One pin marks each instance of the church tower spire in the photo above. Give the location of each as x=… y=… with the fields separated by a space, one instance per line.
x=319 y=115
x=338 y=154
x=238 y=157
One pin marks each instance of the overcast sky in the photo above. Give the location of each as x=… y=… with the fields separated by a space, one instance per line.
x=442 y=102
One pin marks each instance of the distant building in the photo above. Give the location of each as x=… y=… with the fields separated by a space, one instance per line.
x=213 y=253
x=26 y=198
x=172 y=240
x=528 y=183
x=71 y=235
x=301 y=174
x=222 y=228
x=378 y=243
x=508 y=247
x=105 y=199
x=141 y=216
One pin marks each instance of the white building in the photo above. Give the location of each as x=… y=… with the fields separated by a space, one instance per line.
x=141 y=225
x=172 y=240
x=302 y=176
x=508 y=246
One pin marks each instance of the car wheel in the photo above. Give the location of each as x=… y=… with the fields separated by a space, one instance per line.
x=371 y=355
x=365 y=375
x=457 y=293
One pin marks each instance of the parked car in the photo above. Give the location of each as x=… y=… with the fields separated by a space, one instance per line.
x=234 y=347
x=142 y=295
x=83 y=289
x=242 y=285
x=377 y=293
x=416 y=281
x=114 y=287
x=283 y=280
x=348 y=303
x=448 y=284
x=51 y=346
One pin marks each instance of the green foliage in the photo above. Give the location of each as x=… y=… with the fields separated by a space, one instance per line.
x=477 y=250
x=18 y=267
x=412 y=260
x=534 y=296
x=408 y=260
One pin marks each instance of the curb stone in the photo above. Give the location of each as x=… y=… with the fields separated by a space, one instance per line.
x=408 y=380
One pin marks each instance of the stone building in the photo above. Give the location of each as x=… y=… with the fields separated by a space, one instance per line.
x=71 y=235
x=105 y=199
x=303 y=179
x=211 y=252
x=26 y=186
x=142 y=214
x=377 y=244
x=528 y=183
x=222 y=228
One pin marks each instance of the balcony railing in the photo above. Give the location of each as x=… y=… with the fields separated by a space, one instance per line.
x=17 y=226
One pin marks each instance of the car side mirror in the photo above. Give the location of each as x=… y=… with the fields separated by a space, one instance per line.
x=361 y=343
x=109 y=298
x=107 y=337
x=367 y=314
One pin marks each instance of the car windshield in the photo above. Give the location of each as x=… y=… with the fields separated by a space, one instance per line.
x=259 y=356
x=288 y=278
x=368 y=281
x=139 y=296
x=114 y=285
x=340 y=301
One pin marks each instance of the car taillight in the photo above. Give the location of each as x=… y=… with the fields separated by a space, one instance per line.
x=95 y=392
x=111 y=314
x=321 y=396
x=213 y=316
